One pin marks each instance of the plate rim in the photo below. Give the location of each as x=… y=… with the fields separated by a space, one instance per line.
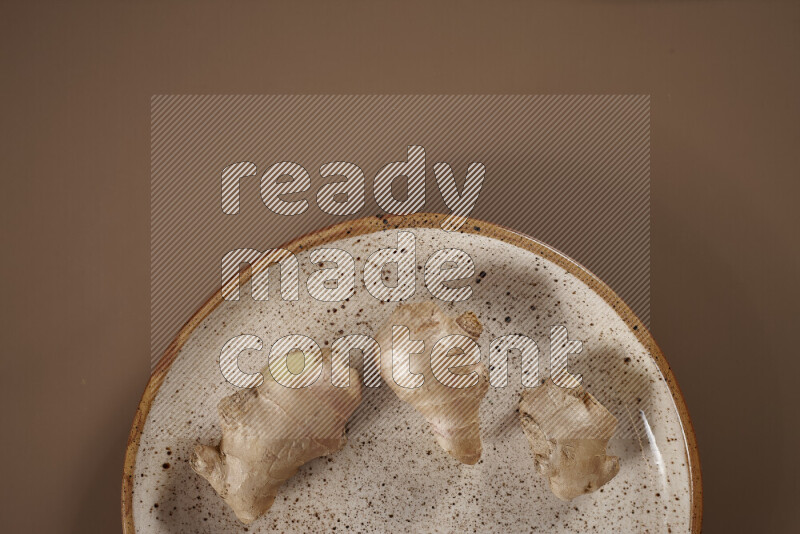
x=367 y=225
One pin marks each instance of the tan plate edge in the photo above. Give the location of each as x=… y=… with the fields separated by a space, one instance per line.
x=422 y=220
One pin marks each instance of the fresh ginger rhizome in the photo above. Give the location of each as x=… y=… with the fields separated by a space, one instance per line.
x=296 y=410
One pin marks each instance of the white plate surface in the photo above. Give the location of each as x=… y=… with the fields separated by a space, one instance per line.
x=391 y=476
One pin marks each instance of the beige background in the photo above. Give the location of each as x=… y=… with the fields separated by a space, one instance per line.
x=77 y=79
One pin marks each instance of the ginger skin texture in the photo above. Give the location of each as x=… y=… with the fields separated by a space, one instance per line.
x=568 y=431
x=452 y=412
x=268 y=432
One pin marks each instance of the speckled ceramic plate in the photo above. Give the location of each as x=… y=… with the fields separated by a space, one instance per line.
x=391 y=476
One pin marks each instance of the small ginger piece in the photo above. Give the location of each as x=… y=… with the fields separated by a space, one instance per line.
x=568 y=430
x=268 y=432
x=452 y=412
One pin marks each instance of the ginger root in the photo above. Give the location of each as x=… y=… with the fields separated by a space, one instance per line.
x=270 y=431
x=452 y=412
x=568 y=431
